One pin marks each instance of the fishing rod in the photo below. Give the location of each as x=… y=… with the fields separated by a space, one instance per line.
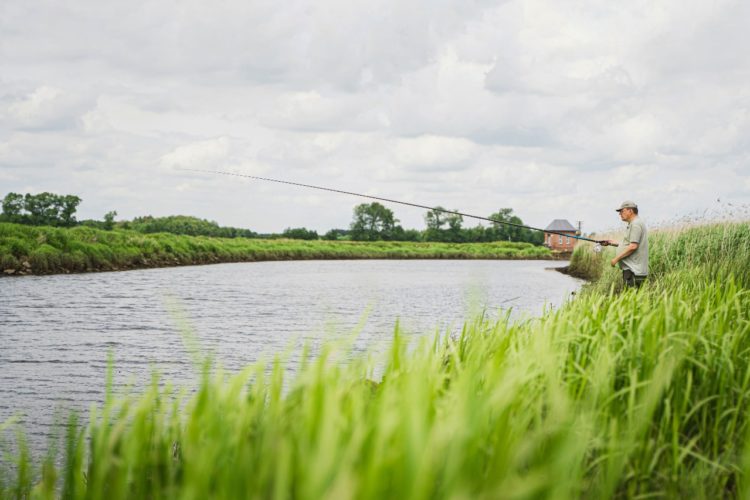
x=388 y=200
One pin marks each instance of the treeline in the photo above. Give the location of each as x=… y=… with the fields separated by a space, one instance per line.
x=373 y=222
x=183 y=224
x=370 y=222
x=43 y=209
x=48 y=209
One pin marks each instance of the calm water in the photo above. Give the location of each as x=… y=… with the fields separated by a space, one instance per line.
x=56 y=331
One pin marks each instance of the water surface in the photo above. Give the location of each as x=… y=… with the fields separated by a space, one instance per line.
x=56 y=331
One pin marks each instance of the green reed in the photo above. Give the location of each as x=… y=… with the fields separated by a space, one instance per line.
x=638 y=394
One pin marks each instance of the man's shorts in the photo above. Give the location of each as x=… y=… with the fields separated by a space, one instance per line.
x=631 y=279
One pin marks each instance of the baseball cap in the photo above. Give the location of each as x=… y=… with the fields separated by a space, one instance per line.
x=627 y=204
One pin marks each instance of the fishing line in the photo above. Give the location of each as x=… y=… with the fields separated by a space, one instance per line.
x=389 y=200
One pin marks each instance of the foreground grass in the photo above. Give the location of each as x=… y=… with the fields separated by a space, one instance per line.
x=639 y=394
x=43 y=250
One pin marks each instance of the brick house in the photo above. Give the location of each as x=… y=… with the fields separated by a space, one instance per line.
x=559 y=242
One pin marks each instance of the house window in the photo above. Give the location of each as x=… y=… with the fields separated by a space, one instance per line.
x=567 y=240
x=560 y=239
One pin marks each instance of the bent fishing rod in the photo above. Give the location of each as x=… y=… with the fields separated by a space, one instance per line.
x=388 y=200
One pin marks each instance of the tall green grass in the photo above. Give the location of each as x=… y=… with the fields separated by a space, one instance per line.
x=43 y=250
x=708 y=251
x=637 y=394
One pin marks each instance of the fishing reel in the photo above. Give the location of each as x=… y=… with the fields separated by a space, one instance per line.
x=600 y=244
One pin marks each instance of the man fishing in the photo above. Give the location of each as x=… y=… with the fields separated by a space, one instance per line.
x=632 y=252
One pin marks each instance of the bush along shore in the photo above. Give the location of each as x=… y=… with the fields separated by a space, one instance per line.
x=616 y=394
x=48 y=250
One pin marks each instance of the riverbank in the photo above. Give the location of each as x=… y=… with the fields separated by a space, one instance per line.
x=48 y=250
x=633 y=394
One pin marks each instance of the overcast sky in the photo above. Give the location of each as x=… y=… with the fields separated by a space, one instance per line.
x=555 y=108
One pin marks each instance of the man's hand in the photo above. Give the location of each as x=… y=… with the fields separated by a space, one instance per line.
x=608 y=243
x=629 y=250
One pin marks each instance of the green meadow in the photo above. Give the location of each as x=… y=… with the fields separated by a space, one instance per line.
x=617 y=394
x=46 y=250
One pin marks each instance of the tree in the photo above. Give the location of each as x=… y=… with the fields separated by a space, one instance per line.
x=476 y=234
x=436 y=219
x=66 y=208
x=183 y=224
x=372 y=222
x=13 y=207
x=506 y=232
x=454 y=227
x=40 y=209
x=402 y=234
x=109 y=220
x=300 y=233
x=336 y=234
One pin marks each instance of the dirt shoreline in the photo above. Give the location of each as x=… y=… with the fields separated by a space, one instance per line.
x=25 y=269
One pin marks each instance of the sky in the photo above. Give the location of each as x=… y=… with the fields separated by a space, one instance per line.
x=554 y=108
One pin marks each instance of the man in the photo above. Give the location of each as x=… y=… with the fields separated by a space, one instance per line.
x=632 y=252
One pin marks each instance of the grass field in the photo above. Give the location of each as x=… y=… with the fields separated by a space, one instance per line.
x=46 y=250
x=624 y=394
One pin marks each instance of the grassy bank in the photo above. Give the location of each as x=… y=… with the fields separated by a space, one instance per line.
x=639 y=394
x=46 y=250
x=708 y=251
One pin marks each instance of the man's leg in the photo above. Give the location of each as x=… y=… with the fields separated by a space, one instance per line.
x=628 y=277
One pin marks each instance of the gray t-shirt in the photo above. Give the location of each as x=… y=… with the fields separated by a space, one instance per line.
x=638 y=260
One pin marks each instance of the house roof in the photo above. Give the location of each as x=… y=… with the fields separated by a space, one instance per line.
x=560 y=225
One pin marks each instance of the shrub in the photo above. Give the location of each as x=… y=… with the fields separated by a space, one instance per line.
x=8 y=261
x=44 y=259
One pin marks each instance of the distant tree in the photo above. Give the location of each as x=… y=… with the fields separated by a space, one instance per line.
x=109 y=220
x=336 y=234
x=300 y=233
x=372 y=222
x=67 y=206
x=40 y=208
x=13 y=207
x=407 y=234
x=476 y=234
x=455 y=234
x=508 y=232
x=46 y=209
x=505 y=232
x=535 y=237
x=436 y=220
x=183 y=224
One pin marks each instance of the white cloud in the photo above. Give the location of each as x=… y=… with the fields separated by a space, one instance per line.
x=45 y=107
x=35 y=105
x=429 y=152
x=552 y=108
x=208 y=155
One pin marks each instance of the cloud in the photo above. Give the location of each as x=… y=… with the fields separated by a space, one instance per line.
x=211 y=155
x=552 y=108
x=45 y=107
x=341 y=44
x=434 y=153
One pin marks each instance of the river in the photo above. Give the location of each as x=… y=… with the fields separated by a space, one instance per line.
x=56 y=332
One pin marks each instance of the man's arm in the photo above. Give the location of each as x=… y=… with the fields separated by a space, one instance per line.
x=628 y=250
